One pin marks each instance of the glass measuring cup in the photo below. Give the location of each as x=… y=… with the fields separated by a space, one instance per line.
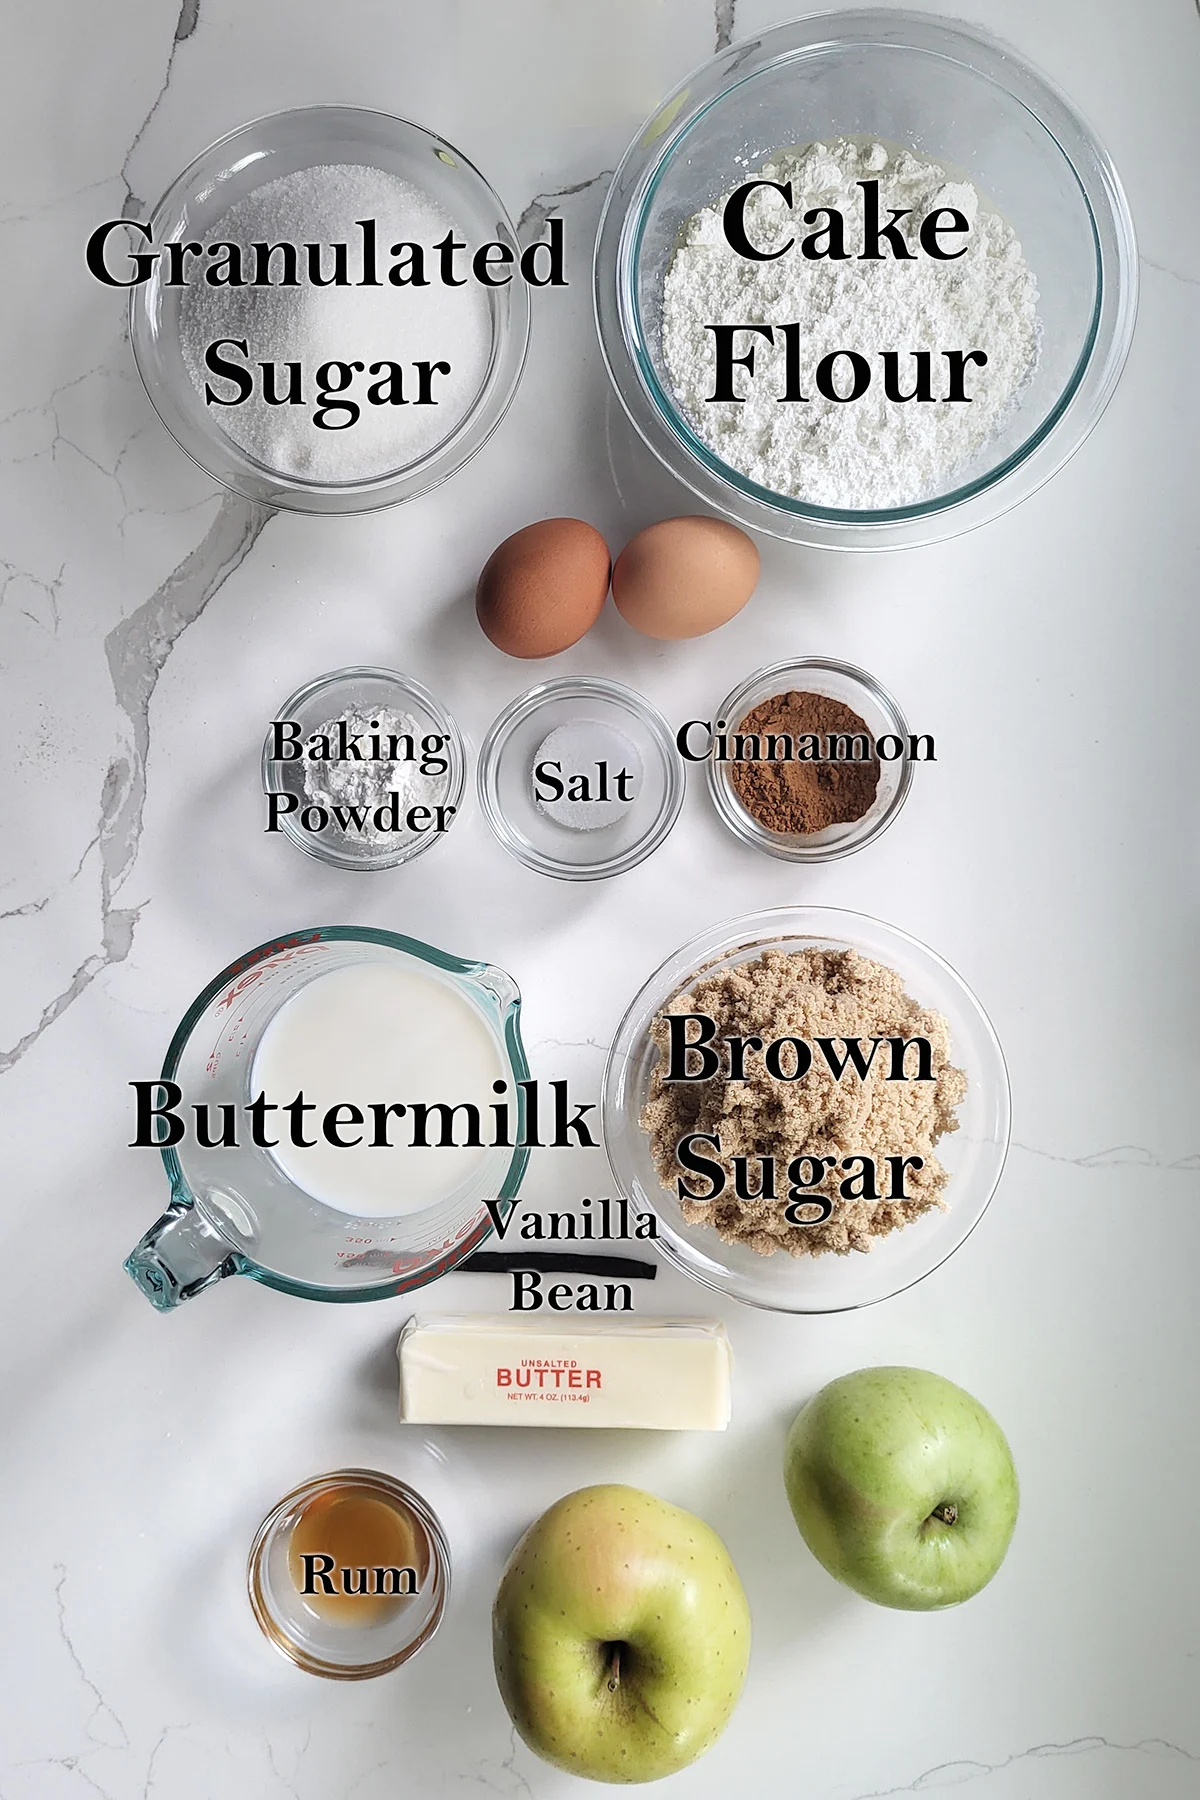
x=235 y=1211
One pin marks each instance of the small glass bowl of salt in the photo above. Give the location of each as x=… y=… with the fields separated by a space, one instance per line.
x=580 y=779
x=363 y=769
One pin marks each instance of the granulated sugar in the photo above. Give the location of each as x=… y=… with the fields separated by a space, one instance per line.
x=872 y=452
x=313 y=325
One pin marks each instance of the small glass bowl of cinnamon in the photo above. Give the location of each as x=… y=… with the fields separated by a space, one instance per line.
x=811 y=760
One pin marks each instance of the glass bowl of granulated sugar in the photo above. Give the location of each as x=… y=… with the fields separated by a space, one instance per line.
x=865 y=280
x=836 y=1128
x=315 y=331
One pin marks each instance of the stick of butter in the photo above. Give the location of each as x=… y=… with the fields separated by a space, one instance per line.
x=648 y=1374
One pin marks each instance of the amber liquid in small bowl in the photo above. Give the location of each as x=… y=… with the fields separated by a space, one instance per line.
x=379 y=1552
x=349 y=1574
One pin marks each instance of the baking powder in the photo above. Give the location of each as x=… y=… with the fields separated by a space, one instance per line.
x=369 y=784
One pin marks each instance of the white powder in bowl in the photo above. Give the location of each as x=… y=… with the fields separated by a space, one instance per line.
x=360 y=788
x=597 y=769
x=872 y=452
x=314 y=325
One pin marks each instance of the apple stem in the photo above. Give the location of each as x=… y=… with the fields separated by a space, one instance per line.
x=614 y=1670
x=947 y=1512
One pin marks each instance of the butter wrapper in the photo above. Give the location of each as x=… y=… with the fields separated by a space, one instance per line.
x=640 y=1375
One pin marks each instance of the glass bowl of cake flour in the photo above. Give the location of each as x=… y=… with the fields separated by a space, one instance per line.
x=865 y=280
x=354 y=366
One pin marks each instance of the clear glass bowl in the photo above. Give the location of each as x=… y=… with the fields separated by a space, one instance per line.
x=338 y=695
x=951 y=93
x=338 y=1651
x=974 y=1155
x=882 y=717
x=528 y=830
x=262 y=151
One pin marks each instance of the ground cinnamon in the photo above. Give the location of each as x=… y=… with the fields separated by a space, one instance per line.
x=827 y=781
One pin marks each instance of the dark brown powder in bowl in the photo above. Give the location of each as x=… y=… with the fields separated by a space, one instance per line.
x=802 y=797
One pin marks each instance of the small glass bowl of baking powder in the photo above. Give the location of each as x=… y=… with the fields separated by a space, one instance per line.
x=363 y=769
x=368 y=151
x=889 y=743
x=580 y=779
x=905 y=81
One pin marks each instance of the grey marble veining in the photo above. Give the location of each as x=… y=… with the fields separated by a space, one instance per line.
x=725 y=18
x=189 y=19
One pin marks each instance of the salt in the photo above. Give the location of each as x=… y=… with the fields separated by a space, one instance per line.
x=314 y=325
x=597 y=768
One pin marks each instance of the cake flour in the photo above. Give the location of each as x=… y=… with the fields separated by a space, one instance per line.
x=872 y=452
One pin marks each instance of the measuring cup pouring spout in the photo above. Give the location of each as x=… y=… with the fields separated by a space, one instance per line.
x=236 y=1210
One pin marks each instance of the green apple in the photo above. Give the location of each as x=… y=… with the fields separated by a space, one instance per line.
x=903 y=1486
x=621 y=1635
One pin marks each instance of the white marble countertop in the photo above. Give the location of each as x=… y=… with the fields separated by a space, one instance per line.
x=149 y=627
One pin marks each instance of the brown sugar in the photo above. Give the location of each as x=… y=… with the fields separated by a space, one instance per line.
x=806 y=994
x=831 y=776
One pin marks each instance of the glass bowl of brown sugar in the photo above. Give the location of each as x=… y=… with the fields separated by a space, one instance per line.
x=811 y=759
x=714 y=1152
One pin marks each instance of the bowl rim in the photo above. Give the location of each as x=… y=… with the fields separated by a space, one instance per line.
x=243 y=474
x=314 y=845
x=747 y=931
x=742 y=823
x=1065 y=427
x=581 y=687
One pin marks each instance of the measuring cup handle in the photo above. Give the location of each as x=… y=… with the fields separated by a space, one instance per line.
x=180 y=1256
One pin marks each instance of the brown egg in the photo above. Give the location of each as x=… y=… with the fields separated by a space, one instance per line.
x=683 y=577
x=544 y=587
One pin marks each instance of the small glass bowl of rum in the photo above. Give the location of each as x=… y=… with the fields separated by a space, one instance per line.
x=349 y=1574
